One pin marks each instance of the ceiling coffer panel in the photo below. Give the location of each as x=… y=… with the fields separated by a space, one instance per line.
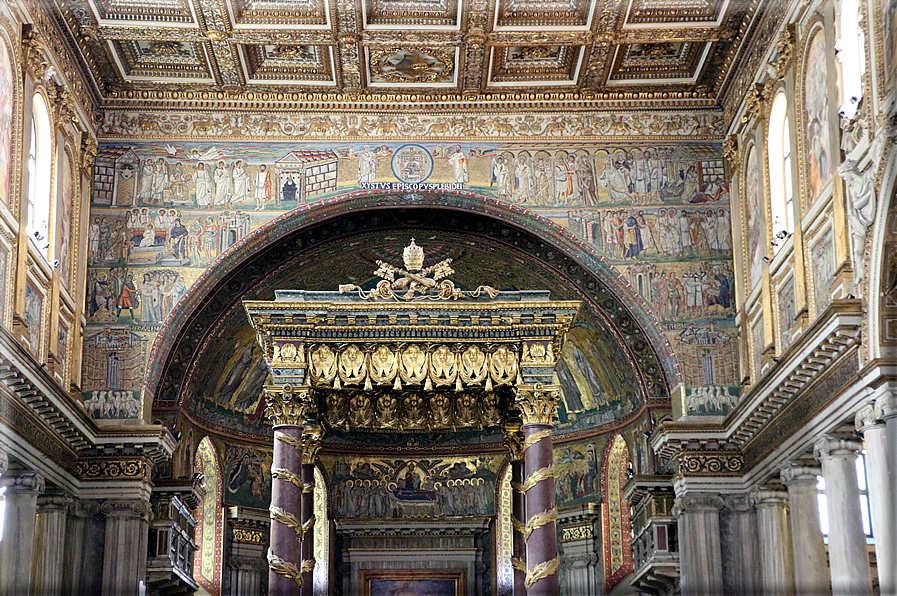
x=294 y=13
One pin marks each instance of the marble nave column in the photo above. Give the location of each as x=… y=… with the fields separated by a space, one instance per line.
x=286 y=409
x=848 y=558
x=806 y=536
x=17 y=547
x=700 y=551
x=538 y=406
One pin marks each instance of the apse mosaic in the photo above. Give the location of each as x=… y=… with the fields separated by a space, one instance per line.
x=163 y=212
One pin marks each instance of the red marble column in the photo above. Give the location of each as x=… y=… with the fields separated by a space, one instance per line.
x=538 y=405
x=286 y=410
x=311 y=442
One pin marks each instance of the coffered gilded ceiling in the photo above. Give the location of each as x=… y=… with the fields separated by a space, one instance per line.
x=452 y=49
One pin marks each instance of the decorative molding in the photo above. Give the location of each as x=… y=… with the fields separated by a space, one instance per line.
x=575 y=533
x=115 y=469
x=248 y=536
x=714 y=463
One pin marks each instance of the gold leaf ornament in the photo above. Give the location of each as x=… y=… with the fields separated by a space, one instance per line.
x=284 y=568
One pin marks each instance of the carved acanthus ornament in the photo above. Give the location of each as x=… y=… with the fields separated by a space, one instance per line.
x=286 y=405
x=785 y=45
x=730 y=152
x=538 y=404
x=64 y=108
x=36 y=61
x=513 y=440
x=88 y=151
x=312 y=437
x=755 y=103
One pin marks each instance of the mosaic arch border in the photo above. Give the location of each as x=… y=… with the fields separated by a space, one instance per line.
x=877 y=260
x=182 y=334
x=206 y=450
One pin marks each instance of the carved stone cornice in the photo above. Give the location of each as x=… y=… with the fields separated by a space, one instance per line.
x=829 y=447
x=538 y=404
x=4 y=462
x=512 y=438
x=287 y=406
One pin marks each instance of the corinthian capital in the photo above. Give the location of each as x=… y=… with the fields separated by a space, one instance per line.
x=286 y=405
x=538 y=403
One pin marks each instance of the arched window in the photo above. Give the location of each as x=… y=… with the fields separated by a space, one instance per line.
x=780 y=157
x=39 y=174
x=209 y=521
x=852 y=54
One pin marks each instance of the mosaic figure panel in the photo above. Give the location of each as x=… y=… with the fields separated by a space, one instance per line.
x=577 y=472
x=756 y=217
x=34 y=309
x=366 y=487
x=163 y=212
x=64 y=220
x=817 y=114
x=822 y=256
x=787 y=312
x=247 y=476
x=7 y=93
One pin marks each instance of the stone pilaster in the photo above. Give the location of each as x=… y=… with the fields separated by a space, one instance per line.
x=808 y=547
x=514 y=441
x=311 y=444
x=538 y=407
x=700 y=551
x=17 y=546
x=49 y=544
x=848 y=558
x=581 y=562
x=246 y=572
x=774 y=532
x=124 y=553
x=286 y=410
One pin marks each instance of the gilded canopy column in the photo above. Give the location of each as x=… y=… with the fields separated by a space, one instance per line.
x=538 y=406
x=286 y=409
x=311 y=443
x=514 y=440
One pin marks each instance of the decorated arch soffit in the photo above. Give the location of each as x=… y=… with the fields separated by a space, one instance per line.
x=163 y=51
x=348 y=234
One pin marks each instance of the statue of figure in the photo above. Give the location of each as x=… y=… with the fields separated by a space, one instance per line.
x=861 y=204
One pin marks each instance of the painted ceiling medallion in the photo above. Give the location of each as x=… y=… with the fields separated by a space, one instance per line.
x=412 y=66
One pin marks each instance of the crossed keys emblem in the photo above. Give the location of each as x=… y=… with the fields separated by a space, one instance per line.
x=416 y=282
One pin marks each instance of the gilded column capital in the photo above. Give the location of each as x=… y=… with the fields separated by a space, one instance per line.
x=512 y=437
x=832 y=447
x=286 y=405
x=730 y=151
x=64 y=107
x=537 y=403
x=312 y=437
x=36 y=61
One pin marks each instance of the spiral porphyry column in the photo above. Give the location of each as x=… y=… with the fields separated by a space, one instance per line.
x=286 y=410
x=538 y=407
x=311 y=443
